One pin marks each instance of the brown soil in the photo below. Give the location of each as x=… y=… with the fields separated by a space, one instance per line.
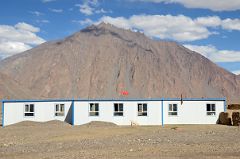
x=28 y=140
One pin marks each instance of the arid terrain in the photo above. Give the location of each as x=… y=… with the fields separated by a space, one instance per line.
x=102 y=61
x=104 y=140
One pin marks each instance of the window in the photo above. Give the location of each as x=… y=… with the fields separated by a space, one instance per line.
x=29 y=110
x=211 y=109
x=59 y=109
x=142 y=109
x=94 y=109
x=118 y=109
x=172 y=109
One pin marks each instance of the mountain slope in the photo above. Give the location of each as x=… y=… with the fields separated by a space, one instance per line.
x=101 y=61
x=10 y=89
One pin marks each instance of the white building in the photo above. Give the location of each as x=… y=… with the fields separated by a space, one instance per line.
x=118 y=111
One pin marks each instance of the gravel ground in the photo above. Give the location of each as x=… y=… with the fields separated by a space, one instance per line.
x=54 y=139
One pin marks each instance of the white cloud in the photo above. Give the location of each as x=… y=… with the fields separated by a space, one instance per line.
x=180 y=28
x=90 y=7
x=99 y=11
x=43 y=21
x=56 y=10
x=231 y=24
x=18 y=38
x=26 y=27
x=211 y=21
x=37 y=13
x=236 y=72
x=13 y=33
x=92 y=2
x=212 y=53
x=214 y=5
x=86 y=21
x=8 y=48
x=85 y=8
x=215 y=21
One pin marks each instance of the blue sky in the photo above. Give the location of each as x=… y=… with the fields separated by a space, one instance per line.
x=211 y=27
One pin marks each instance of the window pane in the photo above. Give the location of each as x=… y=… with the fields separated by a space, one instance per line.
x=172 y=113
x=144 y=107
x=91 y=107
x=213 y=107
x=93 y=113
x=121 y=107
x=59 y=114
x=174 y=107
x=28 y=114
x=96 y=107
x=31 y=108
x=57 y=107
x=142 y=113
x=118 y=113
x=139 y=107
x=115 y=107
x=211 y=113
x=26 y=108
x=62 y=107
x=208 y=107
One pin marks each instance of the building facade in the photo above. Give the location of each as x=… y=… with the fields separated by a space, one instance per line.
x=118 y=111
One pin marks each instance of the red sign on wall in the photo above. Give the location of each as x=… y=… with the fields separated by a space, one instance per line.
x=125 y=93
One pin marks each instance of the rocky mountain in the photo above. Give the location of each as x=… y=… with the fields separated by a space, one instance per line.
x=102 y=61
x=10 y=89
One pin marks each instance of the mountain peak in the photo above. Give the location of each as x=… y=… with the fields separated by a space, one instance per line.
x=120 y=33
x=102 y=27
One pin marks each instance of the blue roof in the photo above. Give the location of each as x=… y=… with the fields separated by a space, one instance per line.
x=120 y=99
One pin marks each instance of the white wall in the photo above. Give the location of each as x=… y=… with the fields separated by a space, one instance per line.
x=192 y=112
x=44 y=111
x=106 y=109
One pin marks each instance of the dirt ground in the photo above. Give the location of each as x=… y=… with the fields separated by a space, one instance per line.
x=55 y=139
